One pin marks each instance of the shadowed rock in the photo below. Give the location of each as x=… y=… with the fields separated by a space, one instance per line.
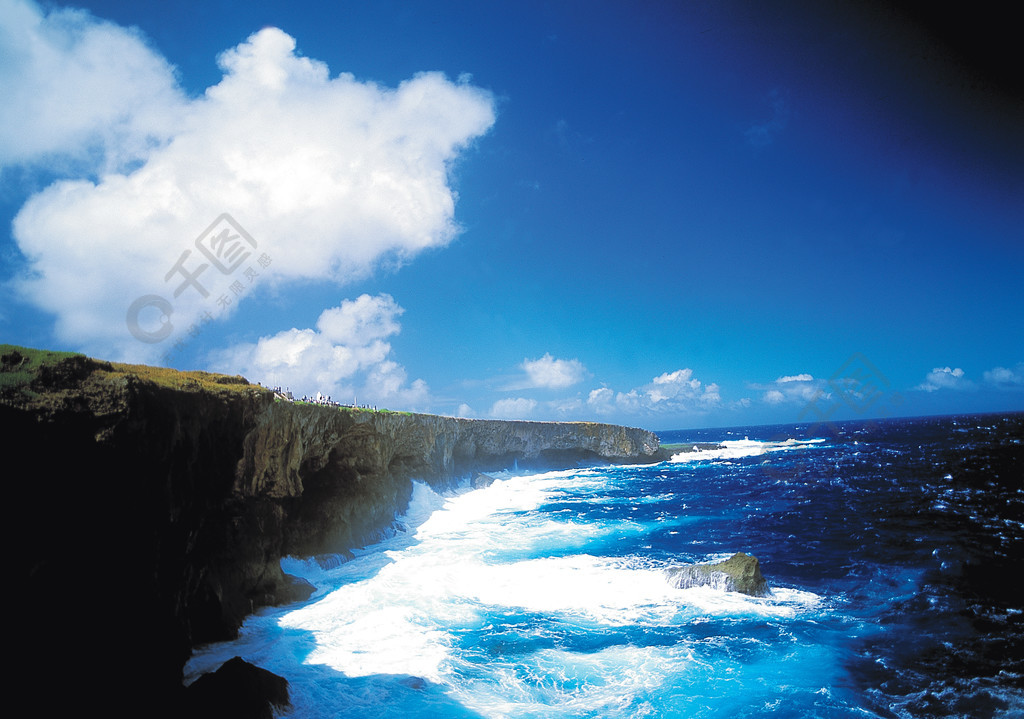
x=739 y=573
x=238 y=690
x=481 y=480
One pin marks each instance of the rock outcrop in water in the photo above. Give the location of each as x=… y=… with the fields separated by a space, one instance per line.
x=739 y=573
x=237 y=689
x=156 y=505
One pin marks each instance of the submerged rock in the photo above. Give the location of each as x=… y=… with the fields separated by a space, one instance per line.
x=739 y=573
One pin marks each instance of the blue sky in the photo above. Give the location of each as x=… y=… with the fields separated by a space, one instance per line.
x=667 y=215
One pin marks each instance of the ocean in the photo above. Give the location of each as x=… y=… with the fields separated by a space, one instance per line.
x=892 y=548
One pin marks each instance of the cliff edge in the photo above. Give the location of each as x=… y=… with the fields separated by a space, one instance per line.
x=157 y=505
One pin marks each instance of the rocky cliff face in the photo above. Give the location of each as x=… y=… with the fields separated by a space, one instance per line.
x=341 y=474
x=157 y=505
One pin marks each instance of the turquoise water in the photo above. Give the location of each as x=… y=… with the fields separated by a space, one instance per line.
x=886 y=547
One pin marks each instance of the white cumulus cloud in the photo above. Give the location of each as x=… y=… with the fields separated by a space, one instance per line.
x=551 y=373
x=1006 y=377
x=81 y=88
x=793 y=389
x=602 y=400
x=944 y=378
x=331 y=177
x=671 y=392
x=345 y=356
x=513 y=408
x=803 y=377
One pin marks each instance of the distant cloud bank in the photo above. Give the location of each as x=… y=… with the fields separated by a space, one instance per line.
x=946 y=378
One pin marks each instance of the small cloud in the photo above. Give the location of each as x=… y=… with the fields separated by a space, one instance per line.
x=513 y=408
x=601 y=400
x=944 y=378
x=550 y=373
x=1006 y=377
x=797 y=388
x=567 y=408
x=361 y=320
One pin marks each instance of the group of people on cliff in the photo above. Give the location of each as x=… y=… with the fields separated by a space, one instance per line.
x=320 y=399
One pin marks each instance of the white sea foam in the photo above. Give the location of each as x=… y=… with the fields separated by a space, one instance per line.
x=464 y=565
x=736 y=448
x=514 y=601
x=468 y=563
x=554 y=682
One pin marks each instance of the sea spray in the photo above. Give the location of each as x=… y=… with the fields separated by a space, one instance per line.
x=546 y=595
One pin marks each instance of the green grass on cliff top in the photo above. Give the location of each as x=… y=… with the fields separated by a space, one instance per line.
x=20 y=365
x=25 y=372
x=193 y=379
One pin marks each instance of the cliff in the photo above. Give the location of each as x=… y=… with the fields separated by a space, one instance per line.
x=155 y=505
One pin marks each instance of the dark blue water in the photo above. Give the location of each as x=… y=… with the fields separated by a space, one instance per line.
x=917 y=527
x=893 y=550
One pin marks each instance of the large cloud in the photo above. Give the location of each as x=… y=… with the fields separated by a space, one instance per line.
x=345 y=357
x=81 y=89
x=324 y=178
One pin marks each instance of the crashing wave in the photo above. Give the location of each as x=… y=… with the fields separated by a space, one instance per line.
x=736 y=448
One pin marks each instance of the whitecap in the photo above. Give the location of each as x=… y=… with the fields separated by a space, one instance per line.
x=738 y=448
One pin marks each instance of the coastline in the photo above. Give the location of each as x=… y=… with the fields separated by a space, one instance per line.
x=195 y=485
